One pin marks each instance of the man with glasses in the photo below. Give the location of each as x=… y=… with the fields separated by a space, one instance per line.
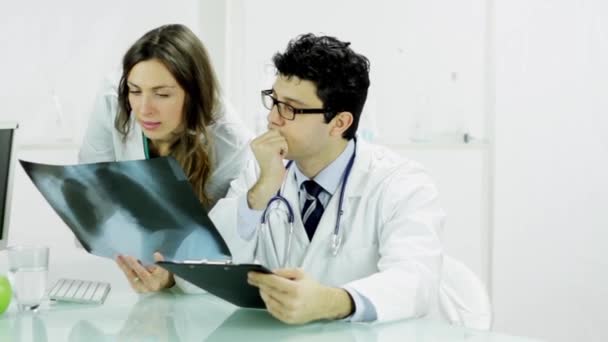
x=350 y=229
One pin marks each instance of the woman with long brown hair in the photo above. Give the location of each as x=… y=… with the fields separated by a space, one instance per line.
x=167 y=103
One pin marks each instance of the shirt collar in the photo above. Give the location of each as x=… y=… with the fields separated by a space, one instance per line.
x=329 y=178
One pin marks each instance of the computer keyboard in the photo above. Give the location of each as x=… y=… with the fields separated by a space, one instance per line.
x=79 y=291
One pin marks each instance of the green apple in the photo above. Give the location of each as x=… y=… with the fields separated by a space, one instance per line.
x=5 y=293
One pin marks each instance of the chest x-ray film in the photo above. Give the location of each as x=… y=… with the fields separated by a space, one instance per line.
x=132 y=208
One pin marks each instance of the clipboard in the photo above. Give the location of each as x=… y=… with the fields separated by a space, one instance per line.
x=222 y=279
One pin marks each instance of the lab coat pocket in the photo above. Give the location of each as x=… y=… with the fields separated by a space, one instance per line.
x=353 y=263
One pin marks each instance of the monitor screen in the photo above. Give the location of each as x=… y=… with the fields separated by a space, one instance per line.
x=7 y=132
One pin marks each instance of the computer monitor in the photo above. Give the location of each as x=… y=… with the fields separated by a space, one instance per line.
x=7 y=161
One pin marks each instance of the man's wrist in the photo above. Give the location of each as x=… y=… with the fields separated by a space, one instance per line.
x=253 y=200
x=258 y=196
x=339 y=304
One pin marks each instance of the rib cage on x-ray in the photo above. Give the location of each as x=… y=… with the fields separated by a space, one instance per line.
x=133 y=207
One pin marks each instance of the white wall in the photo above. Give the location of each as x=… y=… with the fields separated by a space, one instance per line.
x=55 y=54
x=551 y=228
x=427 y=58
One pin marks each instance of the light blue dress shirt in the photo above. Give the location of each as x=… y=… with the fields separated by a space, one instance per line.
x=330 y=178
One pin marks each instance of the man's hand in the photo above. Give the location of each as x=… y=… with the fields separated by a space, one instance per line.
x=151 y=278
x=269 y=149
x=295 y=298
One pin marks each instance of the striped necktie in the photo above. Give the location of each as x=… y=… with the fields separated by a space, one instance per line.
x=313 y=208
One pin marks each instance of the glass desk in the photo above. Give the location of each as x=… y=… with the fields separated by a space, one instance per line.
x=127 y=316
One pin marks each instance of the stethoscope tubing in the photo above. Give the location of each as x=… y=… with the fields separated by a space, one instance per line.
x=336 y=240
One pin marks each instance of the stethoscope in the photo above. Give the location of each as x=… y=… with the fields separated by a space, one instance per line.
x=146 y=146
x=336 y=239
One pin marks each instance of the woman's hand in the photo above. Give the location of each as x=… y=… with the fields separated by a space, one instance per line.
x=150 y=278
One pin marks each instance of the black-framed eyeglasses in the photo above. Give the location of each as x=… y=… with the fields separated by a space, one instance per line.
x=286 y=111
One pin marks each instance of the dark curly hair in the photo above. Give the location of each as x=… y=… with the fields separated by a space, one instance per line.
x=340 y=74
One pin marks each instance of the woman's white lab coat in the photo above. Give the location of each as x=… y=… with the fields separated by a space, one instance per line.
x=390 y=251
x=102 y=142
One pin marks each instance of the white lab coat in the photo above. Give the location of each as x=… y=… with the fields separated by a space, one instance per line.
x=102 y=142
x=391 y=252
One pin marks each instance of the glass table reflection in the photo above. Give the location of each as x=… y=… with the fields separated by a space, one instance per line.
x=167 y=316
x=170 y=317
